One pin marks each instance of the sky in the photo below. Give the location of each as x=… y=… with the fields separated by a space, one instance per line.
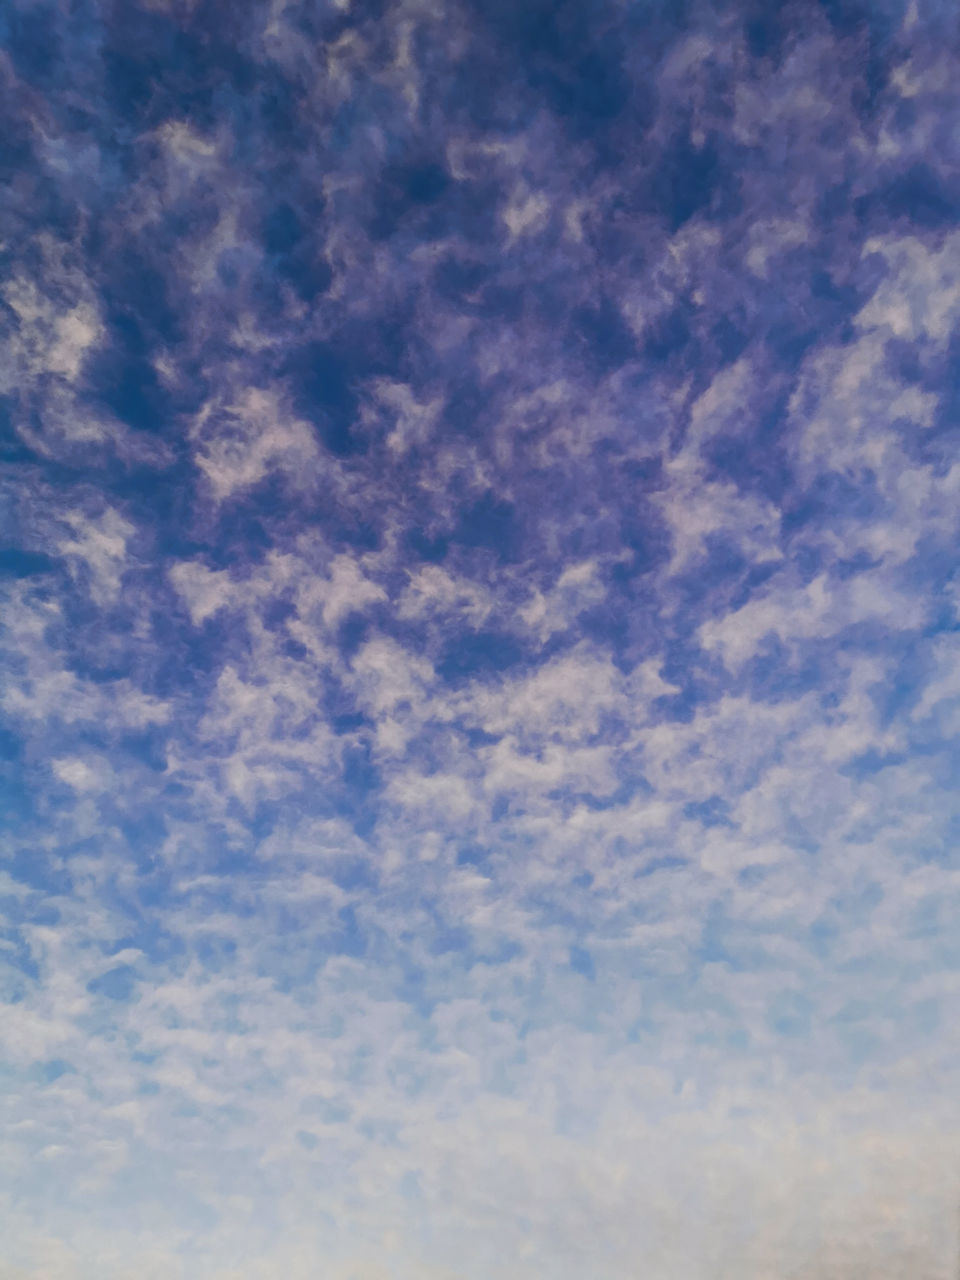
x=480 y=678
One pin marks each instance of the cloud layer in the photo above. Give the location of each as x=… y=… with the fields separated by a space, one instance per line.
x=480 y=649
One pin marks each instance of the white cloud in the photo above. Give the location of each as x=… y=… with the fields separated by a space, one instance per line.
x=387 y=675
x=205 y=591
x=526 y=212
x=432 y=590
x=100 y=543
x=696 y=508
x=83 y=775
x=413 y=420
x=769 y=239
x=345 y=590
x=238 y=443
x=50 y=339
x=566 y=697
x=920 y=298
x=944 y=688
x=817 y=611
x=577 y=588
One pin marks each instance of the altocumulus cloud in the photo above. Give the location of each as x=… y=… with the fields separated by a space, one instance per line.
x=480 y=649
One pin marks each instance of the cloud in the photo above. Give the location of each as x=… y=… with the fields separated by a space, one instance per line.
x=100 y=544
x=478 y=645
x=51 y=339
x=240 y=443
x=82 y=775
x=205 y=591
x=816 y=611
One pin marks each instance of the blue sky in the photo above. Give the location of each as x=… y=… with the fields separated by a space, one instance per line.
x=480 y=639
